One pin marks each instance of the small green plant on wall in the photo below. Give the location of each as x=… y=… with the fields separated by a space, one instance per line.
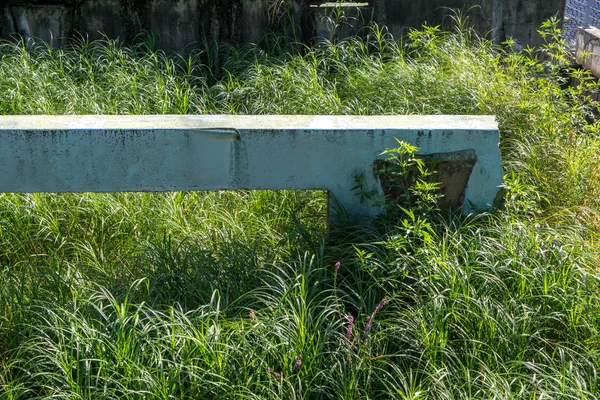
x=409 y=199
x=403 y=175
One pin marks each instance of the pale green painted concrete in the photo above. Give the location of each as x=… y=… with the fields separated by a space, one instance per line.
x=164 y=153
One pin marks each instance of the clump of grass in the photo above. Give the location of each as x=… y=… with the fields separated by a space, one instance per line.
x=241 y=295
x=102 y=77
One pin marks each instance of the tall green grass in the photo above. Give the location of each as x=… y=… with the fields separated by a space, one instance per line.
x=245 y=294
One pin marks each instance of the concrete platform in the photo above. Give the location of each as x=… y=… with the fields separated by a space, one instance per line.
x=587 y=49
x=213 y=152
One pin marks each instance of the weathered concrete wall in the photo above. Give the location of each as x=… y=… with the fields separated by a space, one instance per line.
x=163 y=153
x=176 y=23
x=502 y=19
x=522 y=18
x=50 y=23
x=179 y=23
x=334 y=21
x=587 y=49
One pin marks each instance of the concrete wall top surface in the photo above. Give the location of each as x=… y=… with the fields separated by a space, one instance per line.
x=262 y=122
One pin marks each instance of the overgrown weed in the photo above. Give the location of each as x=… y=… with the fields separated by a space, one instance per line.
x=239 y=295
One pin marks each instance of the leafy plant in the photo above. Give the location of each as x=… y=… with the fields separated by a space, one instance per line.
x=406 y=175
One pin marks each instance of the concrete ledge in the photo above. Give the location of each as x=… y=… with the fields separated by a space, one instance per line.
x=587 y=49
x=164 y=153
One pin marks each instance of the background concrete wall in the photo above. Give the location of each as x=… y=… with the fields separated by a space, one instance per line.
x=519 y=19
x=176 y=23
x=179 y=23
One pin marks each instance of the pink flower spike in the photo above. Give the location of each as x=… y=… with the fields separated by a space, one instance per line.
x=368 y=326
x=381 y=305
x=251 y=314
x=349 y=328
x=337 y=265
x=274 y=373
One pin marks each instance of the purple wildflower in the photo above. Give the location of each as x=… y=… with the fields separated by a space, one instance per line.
x=251 y=314
x=349 y=328
x=380 y=305
x=298 y=362
x=337 y=266
x=370 y=318
x=368 y=326
x=274 y=373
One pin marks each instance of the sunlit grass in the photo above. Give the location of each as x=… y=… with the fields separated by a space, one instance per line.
x=239 y=294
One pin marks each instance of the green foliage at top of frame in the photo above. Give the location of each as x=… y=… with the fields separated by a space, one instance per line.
x=434 y=72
